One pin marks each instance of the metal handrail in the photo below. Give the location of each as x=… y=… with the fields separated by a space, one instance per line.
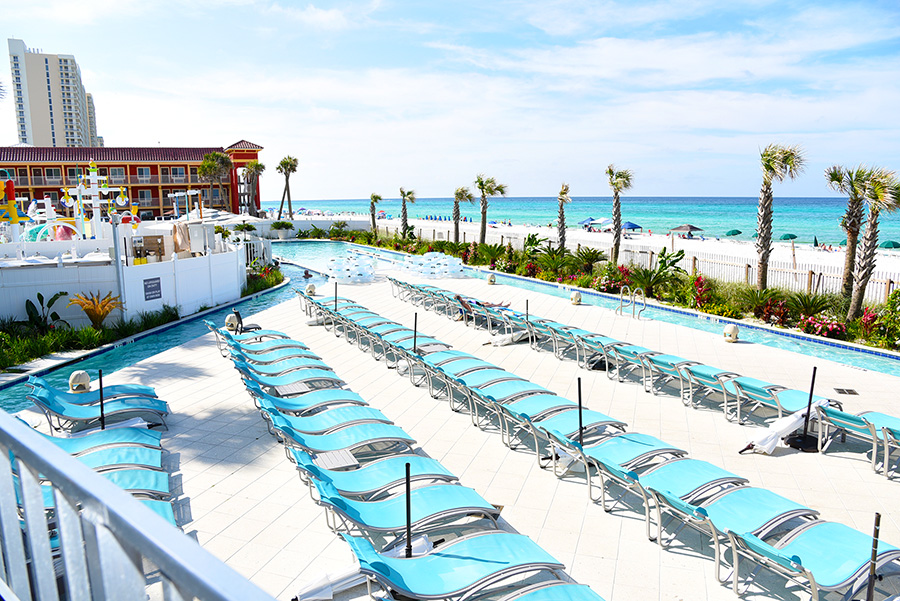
x=643 y=302
x=104 y=534
x=622 y=304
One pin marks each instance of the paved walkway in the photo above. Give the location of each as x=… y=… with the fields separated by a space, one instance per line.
x=242 y=499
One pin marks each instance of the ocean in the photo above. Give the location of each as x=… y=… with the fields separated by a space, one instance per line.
x=807 y=218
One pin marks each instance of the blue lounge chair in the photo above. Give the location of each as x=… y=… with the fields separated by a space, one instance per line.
x=631 y=357
x=325 y=422
x=119 y=458
x=375 y=478
x=891 y=443
x=66 y=416
x=662 y=369
x=868 y=426
x=553 y=591
x=110 y=391
x=597 y=347
x=428 y=504
x=736 y=509
x=357 y=437
x=272 y=356
x=285 y=366
x=456 y=570
x=763 y=394
x=708 y=380
x=292 y=384
x=103 y=439
x=309 y=402
x=161 y=508
x=820 y=556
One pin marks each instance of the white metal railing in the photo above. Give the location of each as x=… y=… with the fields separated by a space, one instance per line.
x=259 y=250
x=104 y=545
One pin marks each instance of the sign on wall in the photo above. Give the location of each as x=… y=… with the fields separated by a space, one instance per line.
x=152 y=289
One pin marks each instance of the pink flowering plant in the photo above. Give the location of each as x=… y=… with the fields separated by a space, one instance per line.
x=823 y=326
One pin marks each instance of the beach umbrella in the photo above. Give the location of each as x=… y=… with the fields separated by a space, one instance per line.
x=586 y=221
x=844 y=242
x=755 y=235
x=628 y=225
x=889 y=244
x=733 y=233
x=687 y=227
x=601 y=222
x=815 y=241
x=788 y=237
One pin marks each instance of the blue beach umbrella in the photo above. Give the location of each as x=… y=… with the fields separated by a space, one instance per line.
x=628 y=225
x=585 y=221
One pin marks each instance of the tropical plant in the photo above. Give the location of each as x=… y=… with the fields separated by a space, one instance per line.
x=491 y=252
x=853 y=183
x=405 y=197
x=778 y=162
x=807 y=304
x=462 y=194
x=282 y=225
x=43 y=319
x=374 y=199
x=224 y=231
x=586 y=257
x=532 y=244
x=619 y=181
x=655 y=280
x=563 y=199
x=287 y=167
x=552 y=259
x=252 y=171
x=754 y=299
x=96 y=307
x=216 y=166
x=337 y=229
x=882 y=195
x=245 y=227
x=488 y=187
x=316 y=232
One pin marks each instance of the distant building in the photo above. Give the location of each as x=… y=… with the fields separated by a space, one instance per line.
x=148 y=175
x=50 y=103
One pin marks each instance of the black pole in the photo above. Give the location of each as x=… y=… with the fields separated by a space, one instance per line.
x=526 y=309
x=580 y=423
x=804 y=442
x=102 y=412
x=408 y=516
x=335 y=296
x=415 y=329
x=870 y=590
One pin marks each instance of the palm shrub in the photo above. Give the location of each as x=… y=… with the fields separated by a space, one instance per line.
x=531 y=245
x=490 y=253
x=316 y=232
x=807 y=304
x=586 y=257
x=752 y=299
x=282 y=225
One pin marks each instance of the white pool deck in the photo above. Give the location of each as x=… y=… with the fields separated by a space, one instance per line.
x=242 y=499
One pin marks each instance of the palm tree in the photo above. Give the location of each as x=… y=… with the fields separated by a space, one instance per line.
x=777 y=162
x=854 y=183
x=252 y=171
x=883 y=194
x=561 y=226
x=373 y=200
x=619 y=181
x=215 y=167
x=461 y=195
x=286 y=167
x=488 y=187
x=405 y=197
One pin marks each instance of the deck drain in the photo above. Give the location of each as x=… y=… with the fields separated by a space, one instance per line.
x=849 y=391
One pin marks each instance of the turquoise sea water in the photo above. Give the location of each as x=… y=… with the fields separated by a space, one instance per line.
x=804 y=217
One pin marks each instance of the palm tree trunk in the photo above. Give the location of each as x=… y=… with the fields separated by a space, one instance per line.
x=372 y=215
x=764 y=229
x=849 y=262
x=403 y=222
x=484 y=206
x=865 y=264
x=455 y=221
x=287 y=186
x=561 y=226
x=617 y=228
x=281 y=206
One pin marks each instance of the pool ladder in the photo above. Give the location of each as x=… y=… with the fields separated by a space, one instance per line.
x=628 y=299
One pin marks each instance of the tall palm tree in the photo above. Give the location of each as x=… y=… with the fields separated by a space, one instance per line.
x=619 y=181
x=563 y=198
x=461 y=195
x=854 y=183
x=286 y=167
x=252 y=171
x=777 y=163
x=373 y=200
x=883 y=195
x=405 y=197
x=216 y=166
x=488 y=187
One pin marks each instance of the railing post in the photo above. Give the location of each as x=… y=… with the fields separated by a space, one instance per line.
x=694 y=265
x=746 y=273
x=809 y=281
x=887 y=288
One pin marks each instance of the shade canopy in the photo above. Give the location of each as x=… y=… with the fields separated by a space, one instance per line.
x=586 y=221
x=628 y=225
x=687 y=227
x=788 y=237
x=601 y=222
x=889 y=244
x=733 y=233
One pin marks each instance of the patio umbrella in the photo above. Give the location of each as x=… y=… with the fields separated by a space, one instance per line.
x=788 y=237
x=631 y=226
x=755 y=235
x=815 y=241
x=687 y=227
x=586 y=221
x=733 y=233
x=844 y=242
x=889 y=244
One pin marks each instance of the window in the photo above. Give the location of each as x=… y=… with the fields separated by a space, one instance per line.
x=54 y=196
x=72 y=174
x=143 y=174
x=54 y=174
x=178 y=174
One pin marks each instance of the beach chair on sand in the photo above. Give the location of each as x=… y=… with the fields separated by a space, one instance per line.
x=374 y=479
x=66 y=416
x=820 y=556
x=459 y=570
x=438 y=503
x=738 y=508
x=868 y=426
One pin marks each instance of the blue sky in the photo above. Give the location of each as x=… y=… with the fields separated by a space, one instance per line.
x=372 y=95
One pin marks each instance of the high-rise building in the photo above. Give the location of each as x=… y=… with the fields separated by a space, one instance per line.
x=51 y=105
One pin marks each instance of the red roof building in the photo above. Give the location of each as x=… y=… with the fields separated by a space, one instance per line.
x=148 y=174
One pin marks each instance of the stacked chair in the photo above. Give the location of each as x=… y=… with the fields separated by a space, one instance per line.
x=740 y=395
x=130 y=457
x=673 y=490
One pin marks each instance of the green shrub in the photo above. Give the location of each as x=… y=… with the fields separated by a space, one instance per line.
x=805 y=304
x=722 y=310
x=88 y=337
x=282 y=225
